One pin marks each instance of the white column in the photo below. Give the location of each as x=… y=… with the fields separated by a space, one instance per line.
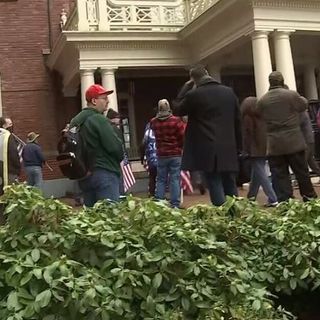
x=109 y=82
x=215 y=71
x=261 y=61
x=87 y=79
x=310 y=82
x=284 y=60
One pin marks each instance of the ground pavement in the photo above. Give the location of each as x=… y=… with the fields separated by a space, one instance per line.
x=196 y=198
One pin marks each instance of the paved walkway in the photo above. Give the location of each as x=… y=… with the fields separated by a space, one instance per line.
x=196 y=198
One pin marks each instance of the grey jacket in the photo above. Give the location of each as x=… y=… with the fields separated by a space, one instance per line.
x=281 y=109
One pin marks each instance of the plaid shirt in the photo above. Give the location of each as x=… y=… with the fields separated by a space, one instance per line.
x=169 y=136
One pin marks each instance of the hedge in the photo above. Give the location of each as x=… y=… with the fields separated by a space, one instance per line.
x=140 y=259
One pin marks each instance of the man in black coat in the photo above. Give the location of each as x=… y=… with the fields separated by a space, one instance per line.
x=213 y=134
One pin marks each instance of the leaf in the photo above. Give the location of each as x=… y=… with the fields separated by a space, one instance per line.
x=160 y=308
x=203 y=304
x=298 y=259
x=47 y=276
x=146 y=279
x=185 y=303
x=131 y=205
x=285 y=273
x=240 y=288
x=12 y=301
x=153 y=231
x=35 y=254
x=157 y=280
x=10 y=207
x=281 y=236
x=293 y=283
x=120 y=246
x=305 y=274
x=115 y=270
x=139 y=261
x=233 y=289
x=196 y=270
x=57 y=296
x=28 y=311
x=37 y=273
x=91 y=293
x=44 y=298
x=26 y=278
x=150 y=305
x=14 y=243
x=256 y=305
x=105 y=315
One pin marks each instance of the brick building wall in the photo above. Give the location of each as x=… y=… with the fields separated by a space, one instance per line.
x=31 y=93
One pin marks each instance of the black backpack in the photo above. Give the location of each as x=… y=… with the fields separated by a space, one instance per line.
x=73 y=158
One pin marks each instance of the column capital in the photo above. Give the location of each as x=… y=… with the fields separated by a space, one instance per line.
x=260 y=34
x=87 y=71
x=108 y=69
x=283 y=33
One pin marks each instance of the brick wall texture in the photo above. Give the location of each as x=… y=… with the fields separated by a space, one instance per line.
x=31 y=93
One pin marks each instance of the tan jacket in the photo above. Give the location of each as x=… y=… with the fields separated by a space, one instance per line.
x=281 y=110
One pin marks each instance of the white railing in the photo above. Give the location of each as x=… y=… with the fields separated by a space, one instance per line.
x=126 y=15
x=150 y=15
x=196 y=7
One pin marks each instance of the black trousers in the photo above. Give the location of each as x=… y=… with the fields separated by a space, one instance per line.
x=152 y=180
x=281 y=180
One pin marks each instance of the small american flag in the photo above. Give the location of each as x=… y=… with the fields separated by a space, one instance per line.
x=186 y=184
x=127 y=174
x=20 y=146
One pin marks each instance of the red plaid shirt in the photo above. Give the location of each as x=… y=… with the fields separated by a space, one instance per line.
x=169 y=136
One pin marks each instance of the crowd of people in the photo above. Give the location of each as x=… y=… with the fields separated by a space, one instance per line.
x=17 y=154
x=273 y=131
x=203 y=131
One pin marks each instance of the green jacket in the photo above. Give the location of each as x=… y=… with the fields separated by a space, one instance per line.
x=104 y=147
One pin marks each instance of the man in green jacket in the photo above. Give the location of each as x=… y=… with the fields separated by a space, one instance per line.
x=103 y=147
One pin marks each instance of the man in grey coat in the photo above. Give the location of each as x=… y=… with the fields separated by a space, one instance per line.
x=281 y=109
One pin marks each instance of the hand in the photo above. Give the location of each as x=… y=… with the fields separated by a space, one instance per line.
x=243 y=155
x=190 y=83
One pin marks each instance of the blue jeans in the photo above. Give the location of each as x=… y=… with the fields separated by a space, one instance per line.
x=101 y=184
x=259 y=178
x=220 y=185
x=169 y=167
x=34 y=176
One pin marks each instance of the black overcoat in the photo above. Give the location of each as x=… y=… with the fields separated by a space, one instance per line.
x=213 y=133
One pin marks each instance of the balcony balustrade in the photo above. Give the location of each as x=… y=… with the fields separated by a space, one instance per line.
x=131 y=15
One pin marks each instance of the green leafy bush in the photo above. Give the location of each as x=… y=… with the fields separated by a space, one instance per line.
x=142 y=260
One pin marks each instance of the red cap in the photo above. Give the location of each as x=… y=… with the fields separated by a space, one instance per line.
x=94 y=91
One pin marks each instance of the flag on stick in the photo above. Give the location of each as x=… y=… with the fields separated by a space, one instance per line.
x=127 y=174
x=186 y=184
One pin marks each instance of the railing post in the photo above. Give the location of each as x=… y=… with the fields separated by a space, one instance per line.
x=83 y=24
x=188 y=10
x=161 y=15
x=103 y=16
x=133 y=14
